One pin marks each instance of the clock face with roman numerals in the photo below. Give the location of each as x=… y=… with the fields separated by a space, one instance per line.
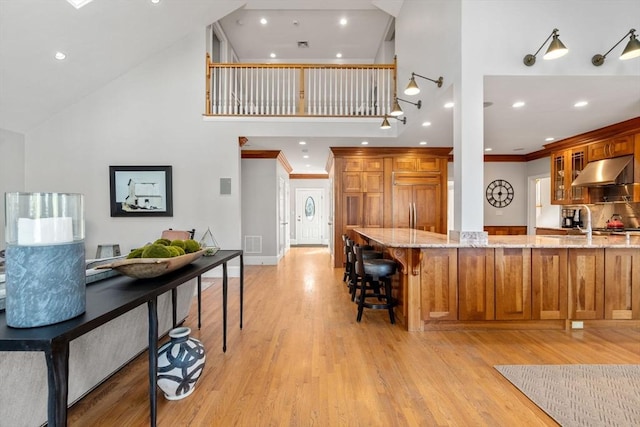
x=499 y=193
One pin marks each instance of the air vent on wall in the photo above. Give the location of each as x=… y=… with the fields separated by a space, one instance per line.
x=303 y=44
x=253 y=244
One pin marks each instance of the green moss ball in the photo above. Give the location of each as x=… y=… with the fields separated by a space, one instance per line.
x=178 y=243
x=180 y=250
x=156 y=250
x=165 y=242
x=174 y=250
x=136 y=253
x=191 y=246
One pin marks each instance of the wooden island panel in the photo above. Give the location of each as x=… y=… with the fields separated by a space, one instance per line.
x=476 y=285
x=439 y=284
x=586 y=284
x=622 y=284
x=513 y=283
x=549 y=283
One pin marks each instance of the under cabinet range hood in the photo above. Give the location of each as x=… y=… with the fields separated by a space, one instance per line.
x=618 y=170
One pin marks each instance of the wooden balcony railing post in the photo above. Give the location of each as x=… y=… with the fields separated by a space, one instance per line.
x=207 y=105
x=302 y=99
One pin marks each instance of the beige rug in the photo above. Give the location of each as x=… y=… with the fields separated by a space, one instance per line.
x=581 y=395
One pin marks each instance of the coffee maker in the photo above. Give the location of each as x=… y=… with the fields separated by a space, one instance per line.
x=568 y=218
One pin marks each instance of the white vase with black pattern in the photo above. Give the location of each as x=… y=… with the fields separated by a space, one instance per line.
x=180 y=364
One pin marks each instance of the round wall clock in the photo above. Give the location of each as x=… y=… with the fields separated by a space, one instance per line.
x=499 y=193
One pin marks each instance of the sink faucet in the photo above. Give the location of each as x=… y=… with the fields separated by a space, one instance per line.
x=588 y=231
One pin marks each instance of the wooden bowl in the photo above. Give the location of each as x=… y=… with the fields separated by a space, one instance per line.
x=146 y=268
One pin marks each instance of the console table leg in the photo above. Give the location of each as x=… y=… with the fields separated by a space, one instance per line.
x=199 y=299
x=174 y=306
x=58 y=379
x=224 y=307
x=241 y=289
x=153 y=358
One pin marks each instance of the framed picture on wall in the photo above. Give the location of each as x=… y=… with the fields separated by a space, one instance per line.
x=141 y=191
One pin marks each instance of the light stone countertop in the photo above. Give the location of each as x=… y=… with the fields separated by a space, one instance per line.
x=410 y=238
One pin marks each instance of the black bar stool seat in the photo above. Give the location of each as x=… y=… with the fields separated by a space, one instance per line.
x=370 y=275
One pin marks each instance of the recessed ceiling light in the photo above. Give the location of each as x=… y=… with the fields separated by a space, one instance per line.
x=549 y=139
x=425 y=124
x=263 y=21
x=365 y=143
x=423 y=142
x=449 y=105
x=273 y=55
x=581 y=104
x=79 y=3
x=338 y=55
x=488 y=149
x=518 y=104
x=343 y=21
x=302 y=143
x=155 y=1
x=60 y=56
x=305 y=156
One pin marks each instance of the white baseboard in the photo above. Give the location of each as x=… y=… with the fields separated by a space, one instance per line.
x=260 y=260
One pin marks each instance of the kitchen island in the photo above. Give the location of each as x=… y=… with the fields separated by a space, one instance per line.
x=553 y=282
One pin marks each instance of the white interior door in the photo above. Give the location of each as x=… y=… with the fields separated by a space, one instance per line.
x=309 y=216
x=283 y=221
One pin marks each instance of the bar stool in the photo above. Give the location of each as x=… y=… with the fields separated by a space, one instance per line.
x=367 y=253
x=369 y=274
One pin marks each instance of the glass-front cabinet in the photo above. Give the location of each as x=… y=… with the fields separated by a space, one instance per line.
x=565 y=167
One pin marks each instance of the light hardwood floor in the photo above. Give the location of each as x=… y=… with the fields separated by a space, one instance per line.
x=303 y=360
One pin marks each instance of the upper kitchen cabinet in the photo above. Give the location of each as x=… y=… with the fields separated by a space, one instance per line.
x=614 y=147
x=566 y=165
x=571 y=156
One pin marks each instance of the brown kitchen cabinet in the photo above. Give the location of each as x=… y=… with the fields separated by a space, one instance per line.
x=417 y=201
x=586 y=283
x=622 y=284
x=549 y=283
x=439 y=284
x=614 y=147
x=566 y=165
x=363 y=188
x=505 y=230
x=512 y=283
x=476 y=284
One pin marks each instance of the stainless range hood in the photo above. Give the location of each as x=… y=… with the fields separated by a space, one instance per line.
x=618 y=170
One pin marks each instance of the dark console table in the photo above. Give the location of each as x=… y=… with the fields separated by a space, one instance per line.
x=106 y=300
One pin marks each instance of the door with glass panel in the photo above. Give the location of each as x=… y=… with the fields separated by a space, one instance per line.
x=309 y=216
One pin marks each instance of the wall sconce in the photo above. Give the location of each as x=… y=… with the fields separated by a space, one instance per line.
x=631 y=51
x=412 y=87
x=397 y=111
x=556 y=49
x=386 y=125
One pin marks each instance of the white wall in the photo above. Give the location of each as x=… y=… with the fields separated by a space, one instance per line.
x=11 y=169
x=260 y=207
x=150 y=116
x=516 y=212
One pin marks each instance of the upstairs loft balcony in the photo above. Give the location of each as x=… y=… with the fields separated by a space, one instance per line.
x=299 y=90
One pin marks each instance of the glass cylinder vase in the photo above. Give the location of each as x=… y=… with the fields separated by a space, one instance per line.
x=45 y=259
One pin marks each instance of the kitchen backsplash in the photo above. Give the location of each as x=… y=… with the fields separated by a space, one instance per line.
x=601 y=213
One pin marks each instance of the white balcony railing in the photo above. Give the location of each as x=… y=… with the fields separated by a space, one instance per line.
x=299 y=89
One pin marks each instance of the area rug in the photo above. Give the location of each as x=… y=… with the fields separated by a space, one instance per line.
x=581 y=395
